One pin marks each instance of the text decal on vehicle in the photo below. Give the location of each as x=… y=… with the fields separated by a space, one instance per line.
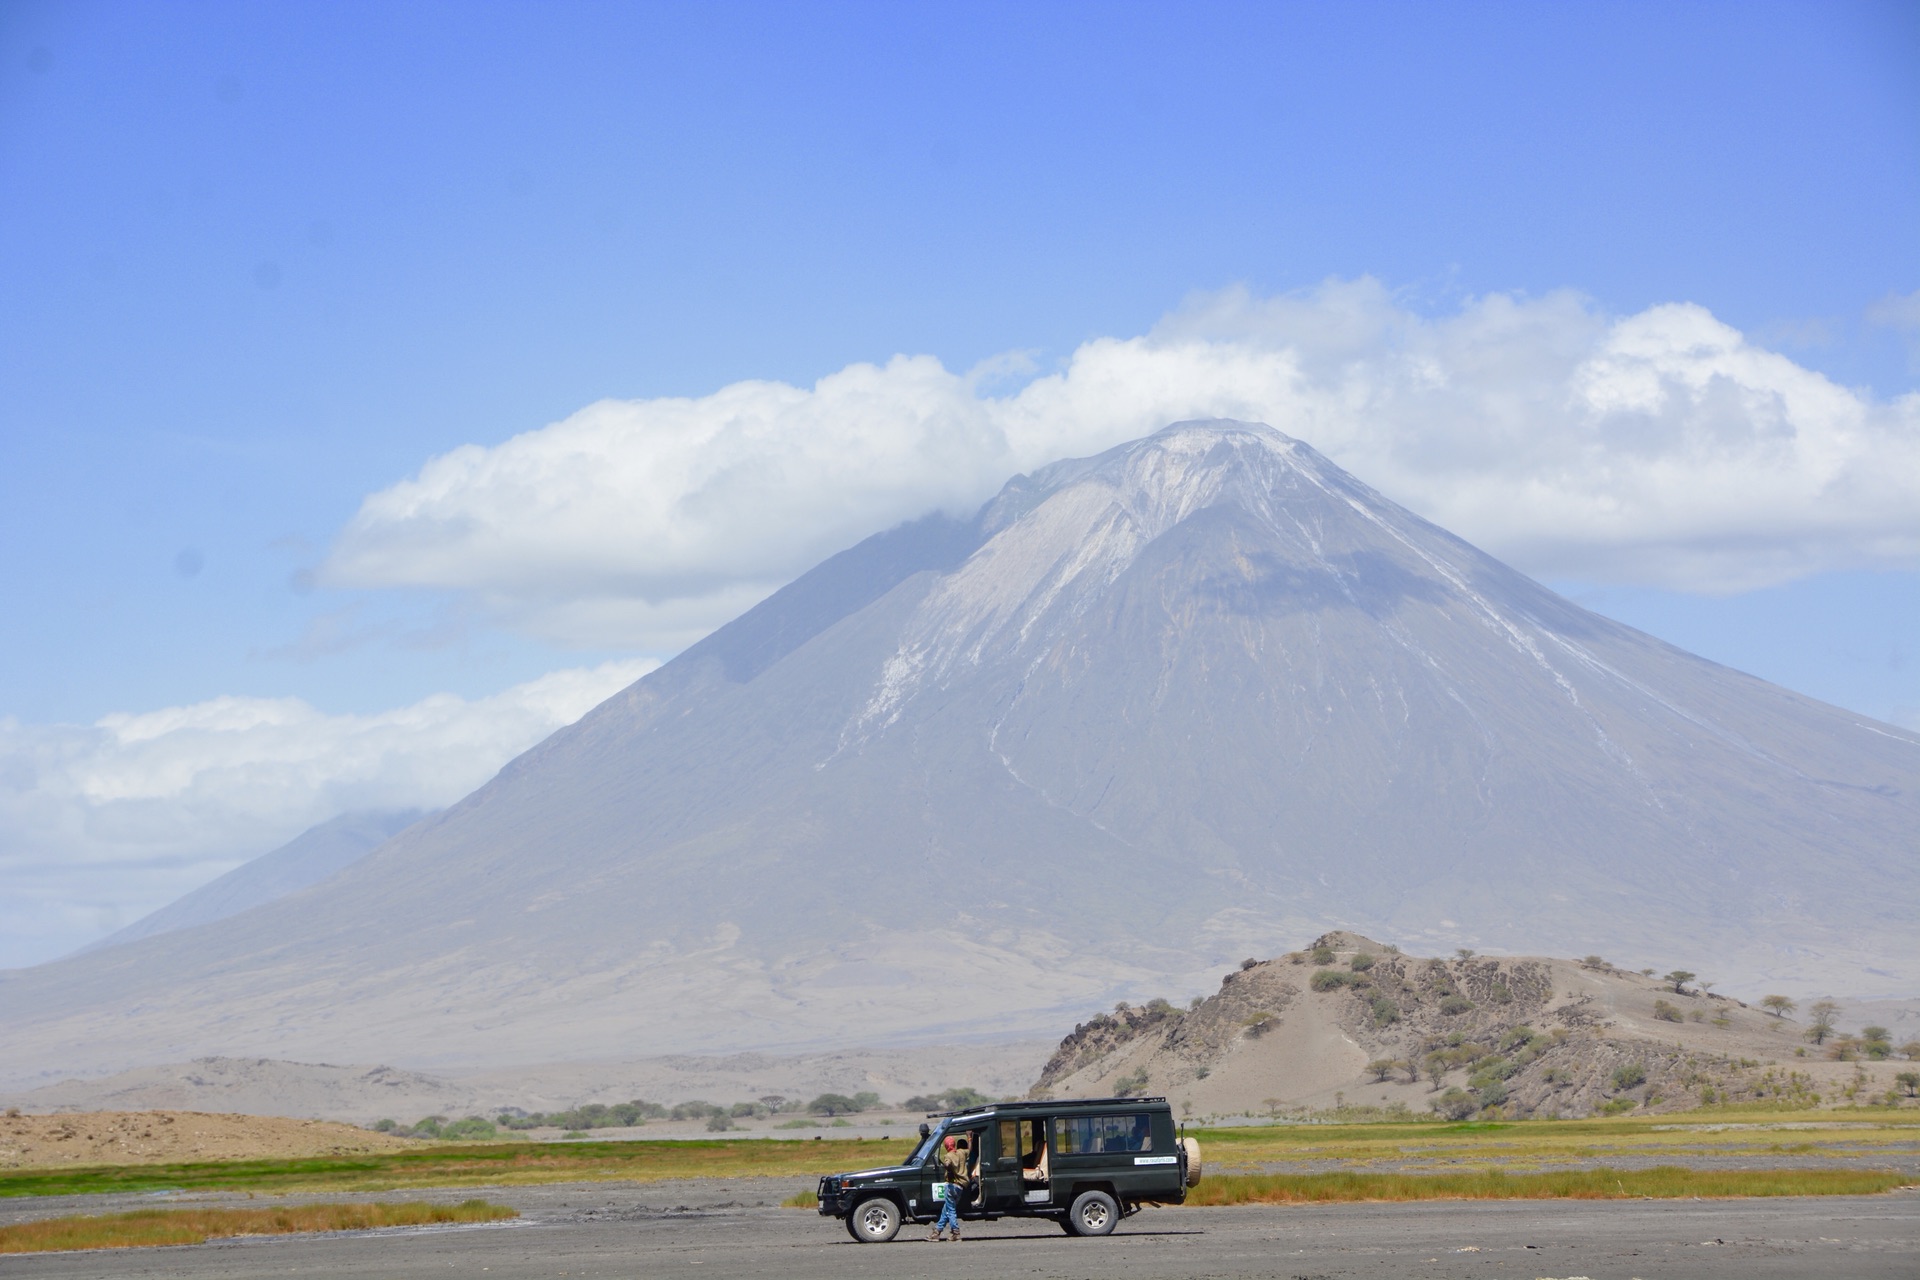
x=1156 y=1159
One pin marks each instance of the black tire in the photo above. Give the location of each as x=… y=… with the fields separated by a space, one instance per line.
x=1093 y=1214
x=1066 y=1224
x=874 y=1220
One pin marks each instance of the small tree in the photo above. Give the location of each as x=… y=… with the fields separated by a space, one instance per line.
x=1825 y=1013
x=1666 y=1011
x=1778 y=1006
x=1911 y=1051
x=1680 y=978
x=1877 y=1043
x=1382 y=1068
x=1910 y=1081
x=1464 y=953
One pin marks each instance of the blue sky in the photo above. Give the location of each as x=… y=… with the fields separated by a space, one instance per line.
x=259 y=264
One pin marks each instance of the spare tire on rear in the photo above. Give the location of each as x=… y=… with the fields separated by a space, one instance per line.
x=1192 y=1148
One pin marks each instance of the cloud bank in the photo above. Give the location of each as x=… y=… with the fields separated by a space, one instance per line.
x=1661 y=448
x=102 y=823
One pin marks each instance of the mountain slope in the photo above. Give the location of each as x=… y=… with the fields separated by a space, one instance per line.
x=1145 y=713
x=307 y=859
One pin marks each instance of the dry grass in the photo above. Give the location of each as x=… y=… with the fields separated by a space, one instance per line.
x=808 y=1199
x=1582 y=1184
x=145 y=1228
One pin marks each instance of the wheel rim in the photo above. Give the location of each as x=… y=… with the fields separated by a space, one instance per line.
x=874 y=1219
x=1094 y=1216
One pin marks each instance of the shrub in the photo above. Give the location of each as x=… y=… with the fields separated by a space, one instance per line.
x=1500 y=994
x=1128 y=1085
x=1492 y=1094
x=385 y=1126
x=719 y=1123
x=839 y=1104
x=1383 y=1067
x=1455 y=1104
x=1329 y=980
x=949 y=1100
x=1385 y=1011
x=1910 y=1081
x=1616 y=1106
x=1248 y=963
x=1260 y=1023
x=1455 y=1003
x=1666 y=1011
x=1360 y=963
x=1626 y=1077
x=1323 y=955
x=1517 y=1036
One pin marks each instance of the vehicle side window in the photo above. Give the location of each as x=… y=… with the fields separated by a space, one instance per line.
x=1009 y=1148
x=1089 y=1135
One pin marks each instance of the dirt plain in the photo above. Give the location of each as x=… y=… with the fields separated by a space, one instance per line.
x=153 y=1137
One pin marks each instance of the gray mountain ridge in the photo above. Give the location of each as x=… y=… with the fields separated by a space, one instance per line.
x=307 y=859
x=1202 y=696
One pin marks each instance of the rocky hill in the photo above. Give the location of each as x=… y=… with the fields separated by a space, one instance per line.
x=1145 y=713
x=1349 y=1022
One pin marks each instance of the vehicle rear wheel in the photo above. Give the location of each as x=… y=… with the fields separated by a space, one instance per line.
x=1093 y=1214
x=874 y=1221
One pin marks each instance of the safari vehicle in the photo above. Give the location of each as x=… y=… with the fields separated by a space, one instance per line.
x=1086 y=1163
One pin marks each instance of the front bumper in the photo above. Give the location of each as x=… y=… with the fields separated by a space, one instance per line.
x=831 y=1205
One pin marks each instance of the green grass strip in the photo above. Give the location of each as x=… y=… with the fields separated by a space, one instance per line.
x=470 y=1164
x=145 y=1228
x=1666 y=1182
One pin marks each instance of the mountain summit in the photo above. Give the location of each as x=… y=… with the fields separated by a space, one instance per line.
x=1143 y=714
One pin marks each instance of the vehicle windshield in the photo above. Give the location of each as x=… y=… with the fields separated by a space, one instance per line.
x=927 y=1144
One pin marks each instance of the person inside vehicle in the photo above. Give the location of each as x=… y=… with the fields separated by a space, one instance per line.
x=1033 y=1166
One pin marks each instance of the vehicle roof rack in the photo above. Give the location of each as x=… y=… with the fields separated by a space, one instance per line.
x=987 y=1108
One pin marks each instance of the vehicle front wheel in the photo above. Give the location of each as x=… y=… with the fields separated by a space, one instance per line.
x=874 y=1221
x=1093 y=1214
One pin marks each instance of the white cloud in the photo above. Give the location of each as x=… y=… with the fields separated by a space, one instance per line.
x=101 y=823
x=1661 y=448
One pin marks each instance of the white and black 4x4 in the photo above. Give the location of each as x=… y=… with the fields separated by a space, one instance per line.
x=1085 y=1163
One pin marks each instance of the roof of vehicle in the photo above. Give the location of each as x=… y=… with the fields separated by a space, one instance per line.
x=1051 y=1107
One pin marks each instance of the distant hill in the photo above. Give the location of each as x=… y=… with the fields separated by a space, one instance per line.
x=307 y=859
x=1351 y=1022
x=1196 y=698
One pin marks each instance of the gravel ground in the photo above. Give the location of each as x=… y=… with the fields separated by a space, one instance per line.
x=723 y=1228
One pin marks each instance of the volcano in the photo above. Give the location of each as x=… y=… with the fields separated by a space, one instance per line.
x=1202 y=696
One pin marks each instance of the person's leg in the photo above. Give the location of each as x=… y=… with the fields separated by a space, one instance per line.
x=949 y=1216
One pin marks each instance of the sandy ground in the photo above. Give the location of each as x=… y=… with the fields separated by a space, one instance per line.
x=150 y=1137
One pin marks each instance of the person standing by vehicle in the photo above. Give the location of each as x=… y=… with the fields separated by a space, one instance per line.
x=953 y=1168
